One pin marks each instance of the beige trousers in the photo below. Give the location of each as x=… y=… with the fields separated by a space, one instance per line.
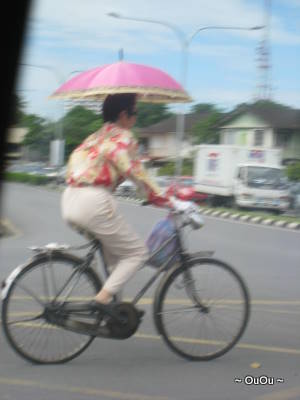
x=94 y=209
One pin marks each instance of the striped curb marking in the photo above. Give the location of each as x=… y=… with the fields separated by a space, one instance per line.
x=256 y=220
x=234 y=215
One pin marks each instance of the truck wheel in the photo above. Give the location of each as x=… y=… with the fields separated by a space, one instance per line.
x=231 y=203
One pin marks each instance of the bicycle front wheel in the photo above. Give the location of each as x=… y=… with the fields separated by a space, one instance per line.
x=24 y=320
x=202 y=310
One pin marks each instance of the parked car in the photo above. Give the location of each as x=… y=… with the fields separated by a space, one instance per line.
x=61 y=175
x=126 y=189
x=183 y=189
x=164 y=181
x=28 y=168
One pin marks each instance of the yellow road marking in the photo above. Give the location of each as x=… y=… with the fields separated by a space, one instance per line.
x=277 y=311
x=288 y=394
x=149 y=300
x=247 y=346
x=82 y=390
x=272 y=349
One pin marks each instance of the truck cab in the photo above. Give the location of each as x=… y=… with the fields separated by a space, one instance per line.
x=261 y=186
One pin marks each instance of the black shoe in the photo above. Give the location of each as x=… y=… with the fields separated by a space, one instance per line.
x=97 y=306
x=104 y=309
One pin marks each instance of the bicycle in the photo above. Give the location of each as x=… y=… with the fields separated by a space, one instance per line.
x=46 y=321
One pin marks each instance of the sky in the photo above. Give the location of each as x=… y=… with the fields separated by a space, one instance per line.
x=65 y=36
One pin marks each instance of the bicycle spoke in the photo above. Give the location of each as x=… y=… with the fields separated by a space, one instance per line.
x=25 y=320
x=214 y=310
x=30 y=292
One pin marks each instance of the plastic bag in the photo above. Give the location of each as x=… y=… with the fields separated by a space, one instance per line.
x=161 y=232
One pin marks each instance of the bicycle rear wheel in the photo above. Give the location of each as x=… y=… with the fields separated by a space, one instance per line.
x=23 y=310
x=202 y=310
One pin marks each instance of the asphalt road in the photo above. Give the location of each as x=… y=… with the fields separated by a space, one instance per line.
x=142 y=367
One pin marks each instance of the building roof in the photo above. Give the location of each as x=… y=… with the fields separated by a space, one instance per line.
x=276 y=115
x=168 y=125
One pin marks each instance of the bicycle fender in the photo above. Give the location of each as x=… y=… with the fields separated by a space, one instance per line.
x=52 y=253
x=202 y=254
x=6 y=284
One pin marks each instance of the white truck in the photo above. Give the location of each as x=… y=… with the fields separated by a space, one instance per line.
x=246 y=177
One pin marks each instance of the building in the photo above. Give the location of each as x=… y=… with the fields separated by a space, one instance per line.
x=158 y=142
x=15 y=137
x=266 y=125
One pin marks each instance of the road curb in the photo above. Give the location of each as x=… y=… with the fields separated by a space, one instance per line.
x=235 y=216
x=266 y=221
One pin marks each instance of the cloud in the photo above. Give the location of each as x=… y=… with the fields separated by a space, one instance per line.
x=68 y=35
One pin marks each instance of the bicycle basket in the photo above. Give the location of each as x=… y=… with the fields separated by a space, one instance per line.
x=161 y=232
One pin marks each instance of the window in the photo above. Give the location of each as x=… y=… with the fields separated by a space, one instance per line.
x=258 y=137
x=282 y=138
x=241 y=173
x=143 y=145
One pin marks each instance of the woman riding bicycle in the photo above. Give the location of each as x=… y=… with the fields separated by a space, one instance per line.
x=95 y=169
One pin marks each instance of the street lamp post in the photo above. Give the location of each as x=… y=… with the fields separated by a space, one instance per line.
x=184 y=44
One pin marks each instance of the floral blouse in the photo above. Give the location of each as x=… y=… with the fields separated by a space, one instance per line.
x=108 y=157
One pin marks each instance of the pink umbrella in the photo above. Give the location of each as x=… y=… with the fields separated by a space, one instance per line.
x=151 y=84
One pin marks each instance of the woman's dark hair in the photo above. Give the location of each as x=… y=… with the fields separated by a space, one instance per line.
x=114 y=104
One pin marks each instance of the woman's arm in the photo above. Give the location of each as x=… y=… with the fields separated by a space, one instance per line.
x=129 y=166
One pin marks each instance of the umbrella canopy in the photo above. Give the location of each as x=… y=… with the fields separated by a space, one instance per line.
x=150 y=84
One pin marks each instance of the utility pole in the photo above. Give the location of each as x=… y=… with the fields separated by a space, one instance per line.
x=264 y=87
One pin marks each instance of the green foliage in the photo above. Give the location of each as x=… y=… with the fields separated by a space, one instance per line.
x=26 y=178
x=293 y=172
x=78 y=123
x=149 y=114
x=40 y=133
x=169 y=168
x=18 y=106
x=203 y=107
x=206 y=131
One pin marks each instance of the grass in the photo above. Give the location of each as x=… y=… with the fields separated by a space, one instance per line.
x=26 y=178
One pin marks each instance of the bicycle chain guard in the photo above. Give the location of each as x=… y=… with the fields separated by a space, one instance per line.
x=112 y=329
x=129 y=314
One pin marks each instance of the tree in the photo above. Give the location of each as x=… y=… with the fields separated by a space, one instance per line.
x=40 y=133
x=203 y=108
x=205 y=131
x=18 y=113
x=293 y=172
x=78 y=123
x=149 y=114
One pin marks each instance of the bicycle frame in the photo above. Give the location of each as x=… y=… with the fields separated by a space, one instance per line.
x=96 y=246
x=179 y=253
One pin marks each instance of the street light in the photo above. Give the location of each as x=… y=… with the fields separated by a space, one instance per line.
x=184 y=43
